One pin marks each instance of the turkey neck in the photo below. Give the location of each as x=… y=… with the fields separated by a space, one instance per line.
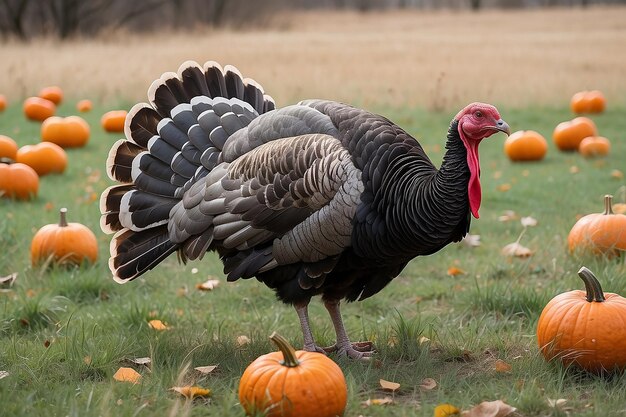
x=430 y=207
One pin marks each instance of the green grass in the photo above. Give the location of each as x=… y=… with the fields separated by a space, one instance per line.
x=64 y=332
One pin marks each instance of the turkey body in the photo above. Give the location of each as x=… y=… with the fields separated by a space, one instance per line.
x=317 y=198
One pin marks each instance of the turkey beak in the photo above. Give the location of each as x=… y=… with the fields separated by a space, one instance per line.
x=502 y=126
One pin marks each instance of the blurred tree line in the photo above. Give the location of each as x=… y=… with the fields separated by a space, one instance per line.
x=25 y=19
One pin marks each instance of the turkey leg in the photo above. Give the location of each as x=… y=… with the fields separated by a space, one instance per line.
x=358 y=350
x=303 y=314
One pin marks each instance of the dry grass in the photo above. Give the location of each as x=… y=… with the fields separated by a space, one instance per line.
x=437 y=60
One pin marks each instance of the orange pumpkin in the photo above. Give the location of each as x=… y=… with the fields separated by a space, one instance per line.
x=585 y=328
x=18 y=181
x=525 y=145
x=38 y=109
x=113 y=121
x=52 y=93
x=593 y=146
x=292 y=383
x=568 y=135
x=3 y=102
x=44 y=158
x=8 y=147
x=64 y=243
x=67 y=132
x=84 y=106
x=588 y=102
x=599 y=233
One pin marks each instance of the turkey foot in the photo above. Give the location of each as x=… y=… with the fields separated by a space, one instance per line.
x=354 y=350
x=343 y=346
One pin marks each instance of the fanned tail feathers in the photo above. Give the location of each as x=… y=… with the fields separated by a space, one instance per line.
x=170 y=144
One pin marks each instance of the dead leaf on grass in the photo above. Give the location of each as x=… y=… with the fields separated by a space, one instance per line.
x=517 y=250
x=377 y=401
x=243 y=340
x=454 y=271
x=157 y=325
x=617 y=174
x=445 y=410
x=497 y=408
x=389 y=385
x=619 y=208
x=7 y=281
x=502 y=366
x=127 y=375
x=508 y=216
x=528 y=221
x=473 y=241
x=574 y=169
x=557 y=403
x=141 y=361
x=3 y=374
x=428 y=384
x=191 y=392
x=504 y=187
x=208 y=285
x=205 y=370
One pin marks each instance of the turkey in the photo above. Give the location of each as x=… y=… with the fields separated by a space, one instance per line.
x=316 y=198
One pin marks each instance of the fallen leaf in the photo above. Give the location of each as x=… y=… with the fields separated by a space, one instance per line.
x=87 y=360
x=389 y=385
x=507 y=216
x=127 y=375
x=525 y=173
x=445 y=410
x=208 y=285
x=46 y=344
x=377 y=401
x=243 y=340
x=454 y=271
x=502 y=366
x=157 y=325
x=619 y=208
x=3 y=374
x=422 y=340
x=205 y=369
x=557 y=403
x=496 y=408
x=428 y=384
x=528 y=221
x=472 y=241
x=504 y=187
x=574 y=169
x=190 y=392
x=48 y=206
x=141 y=361
x=617 y=174
x=182 y=291
x=7 y=281
x=515 y=249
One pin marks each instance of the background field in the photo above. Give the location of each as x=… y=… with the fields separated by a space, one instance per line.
x=64 y=333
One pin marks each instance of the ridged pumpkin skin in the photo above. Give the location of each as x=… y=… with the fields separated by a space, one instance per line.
x=65 y=243
x=585 y=328
x=593 y=146
x=44 y=158
x=599 y=233
x=568 y=135
x=588 y=102
x=38 y=109
x=18 y=181
x=67 y=132
x=525 y=145
x=274 y=385
x=113 y=121
x=8 y=147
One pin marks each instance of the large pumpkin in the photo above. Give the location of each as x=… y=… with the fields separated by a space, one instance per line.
x=593 y=146
x=44 y=158
x=67 y=132
x=113 y=121
x=52 y=93
x=293 y=383
x=585 y=328
x=599 y=233
x=525 y=145
x=38 y=109
x=568 y=135
x=17 y=180
x=64 y=243
x=588 y=102
x=8 y=147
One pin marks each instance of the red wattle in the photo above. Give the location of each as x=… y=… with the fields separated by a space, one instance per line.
x=474 y=191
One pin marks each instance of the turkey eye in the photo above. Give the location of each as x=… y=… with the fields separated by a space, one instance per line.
x=479 y=114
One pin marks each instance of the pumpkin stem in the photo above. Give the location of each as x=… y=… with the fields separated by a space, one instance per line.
x=289 y=353
x=608 y=204
x=63 y=217
x=592 y=285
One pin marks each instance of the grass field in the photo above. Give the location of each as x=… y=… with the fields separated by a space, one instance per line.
x=64 y=333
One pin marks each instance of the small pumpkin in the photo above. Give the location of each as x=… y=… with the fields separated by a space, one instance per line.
x=113 y=121
x=84 y=106
x=17 y=180
x=585 y=328
x=52 y=93
x=8 y=147
x=593 y=146
x=64 y=243
x=38 y=109
x=291 y=383
x=599 y=233
x=588 y=102
x=67 y=132
x=568 y=135
x=44 y=158
x=525 y=145
x=3 y=102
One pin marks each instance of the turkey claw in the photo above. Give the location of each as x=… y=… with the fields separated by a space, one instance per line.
x=356 y=350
